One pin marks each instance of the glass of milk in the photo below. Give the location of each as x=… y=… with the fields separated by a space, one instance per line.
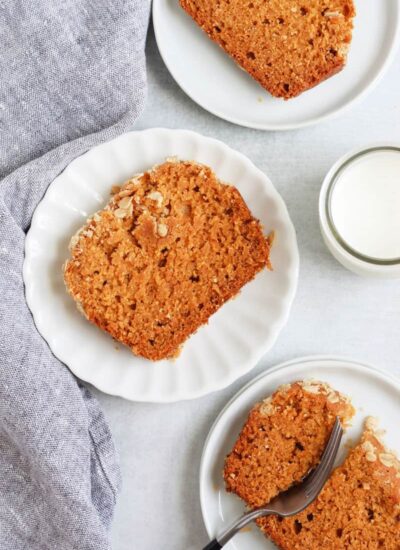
x=359 y=211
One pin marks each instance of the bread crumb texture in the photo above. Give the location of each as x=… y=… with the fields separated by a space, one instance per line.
x=283 y=438
x=359 y=507
x=288 y=46
x=171 y=247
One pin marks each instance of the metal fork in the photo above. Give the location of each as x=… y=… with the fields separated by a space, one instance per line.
x=295 y=499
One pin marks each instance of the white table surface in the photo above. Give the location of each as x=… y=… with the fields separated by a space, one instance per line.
x=334 y=312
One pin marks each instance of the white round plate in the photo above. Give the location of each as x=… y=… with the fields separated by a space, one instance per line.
x=372 y=391
x=213 y=80
x=237 y=335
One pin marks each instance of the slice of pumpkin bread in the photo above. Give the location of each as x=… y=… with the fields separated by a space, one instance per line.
x=171 y=247
x=282 y=439
x=358 y=509
x=288 y=46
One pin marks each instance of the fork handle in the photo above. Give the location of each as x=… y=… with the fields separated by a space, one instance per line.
x=226 y=536
x=213 y=545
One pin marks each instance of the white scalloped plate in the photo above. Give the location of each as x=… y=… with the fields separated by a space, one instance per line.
x=214 y=81
x=373 y=393
x=237 y=335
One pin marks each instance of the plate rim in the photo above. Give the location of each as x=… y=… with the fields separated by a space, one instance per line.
x=178 y=394
x=358 y=97
x=343 y=362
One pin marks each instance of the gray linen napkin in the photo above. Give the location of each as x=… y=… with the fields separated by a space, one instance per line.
x=72 y=74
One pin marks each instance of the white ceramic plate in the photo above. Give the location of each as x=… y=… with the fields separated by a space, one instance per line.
x=237 y=335
x=215 y=82
x=373 y=392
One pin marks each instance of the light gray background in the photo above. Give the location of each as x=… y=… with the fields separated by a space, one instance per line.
x=334 y=312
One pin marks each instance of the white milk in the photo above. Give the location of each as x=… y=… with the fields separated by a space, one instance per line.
x=365 y=205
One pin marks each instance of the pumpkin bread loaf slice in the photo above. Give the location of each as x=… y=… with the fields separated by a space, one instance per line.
x=172 y=246
x=282 y=439
x=288 y=46
x=358 y=509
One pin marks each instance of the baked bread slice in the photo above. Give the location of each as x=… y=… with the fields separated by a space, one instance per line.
x=172 y=246
x=359 y=507
x=282 y=439
x=288 y=46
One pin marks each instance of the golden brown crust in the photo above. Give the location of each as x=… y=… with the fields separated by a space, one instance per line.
x=288 y=46
x=359 y=507
x=172 y=246
x=283 y=437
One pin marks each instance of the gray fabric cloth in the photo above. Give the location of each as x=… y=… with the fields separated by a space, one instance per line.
x=72 y=74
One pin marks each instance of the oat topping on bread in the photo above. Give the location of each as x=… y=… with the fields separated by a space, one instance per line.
x=172 y=246
x=288 y=46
